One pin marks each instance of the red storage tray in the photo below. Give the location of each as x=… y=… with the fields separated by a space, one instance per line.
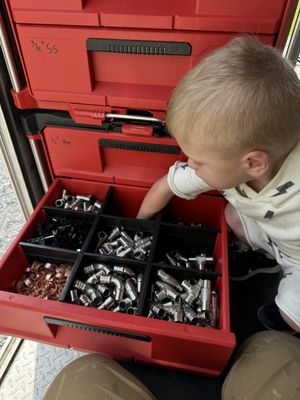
x=186 y=347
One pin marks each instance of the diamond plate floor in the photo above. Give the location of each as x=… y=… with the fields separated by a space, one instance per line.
x=33 y=369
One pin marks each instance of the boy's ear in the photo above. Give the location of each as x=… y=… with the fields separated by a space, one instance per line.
x=256 y=163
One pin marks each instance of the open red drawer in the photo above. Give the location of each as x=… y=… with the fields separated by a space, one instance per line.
x=201 y=349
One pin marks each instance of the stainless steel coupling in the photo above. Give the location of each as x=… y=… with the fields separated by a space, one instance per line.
x=205 y=295
x=120 y=243
x=196 y=304
x=79 y=202
x=175 y=258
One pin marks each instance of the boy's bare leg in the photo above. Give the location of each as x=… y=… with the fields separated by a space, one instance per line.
x=233 y=220
x=289 y=321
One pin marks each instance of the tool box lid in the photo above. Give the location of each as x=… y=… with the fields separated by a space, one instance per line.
x=205 y=15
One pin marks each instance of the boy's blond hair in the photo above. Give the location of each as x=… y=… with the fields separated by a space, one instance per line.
x=243 y=96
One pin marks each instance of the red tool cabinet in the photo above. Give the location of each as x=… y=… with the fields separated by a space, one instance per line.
x=95 y=58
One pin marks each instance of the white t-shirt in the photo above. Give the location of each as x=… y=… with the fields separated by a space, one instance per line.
x=271 y=218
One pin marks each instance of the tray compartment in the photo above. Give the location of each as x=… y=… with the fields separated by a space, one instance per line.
x=99 y=191
x=206 y=210
x=176 y=292
x=45 y=274
x=123 y=239
x=87 y=282
x=62 y=229
x=188 y=242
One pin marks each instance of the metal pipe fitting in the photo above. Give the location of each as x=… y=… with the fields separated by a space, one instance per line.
x=191 y=316
x=201 y=260
x=115 y=232
x=140 y=254
x=171 y=260
x=214 y=310
x=138 y=236
x=203 y=316
x=124 y=251
x=124 y=270
x=131 y=310
x=104 y=290
x=85 y=300
x=125 y=303
x=95 y=296
x=169 y=280
x=74 y=296
x=160 y=295
x=78 y=284
x=191 y=296
x=205 y=295
x=107 y=304
x=131 y=290
x=158 y=310
x=97 y=204
x=143 y=241
x=114 y=280
x=102 y=236
x=139 y=282
x=119 y=287
x=108 y=248
x=175 y=311
x=59 y=203
x=125 y=235
x=82 y=197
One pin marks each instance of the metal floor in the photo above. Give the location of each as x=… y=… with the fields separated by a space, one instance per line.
x=33 y=369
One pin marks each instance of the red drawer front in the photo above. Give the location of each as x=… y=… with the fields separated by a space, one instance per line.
x=190 y=348
x=109 y=68
x=108 y=156
x=233 y=16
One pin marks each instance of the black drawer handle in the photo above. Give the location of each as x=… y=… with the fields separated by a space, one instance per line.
x=139 y=47
x=94 y=328
x=137 y=146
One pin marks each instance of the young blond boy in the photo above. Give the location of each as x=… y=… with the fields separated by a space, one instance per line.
x=236 y=115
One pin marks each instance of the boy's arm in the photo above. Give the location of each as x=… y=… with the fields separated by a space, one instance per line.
x=156 y=199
